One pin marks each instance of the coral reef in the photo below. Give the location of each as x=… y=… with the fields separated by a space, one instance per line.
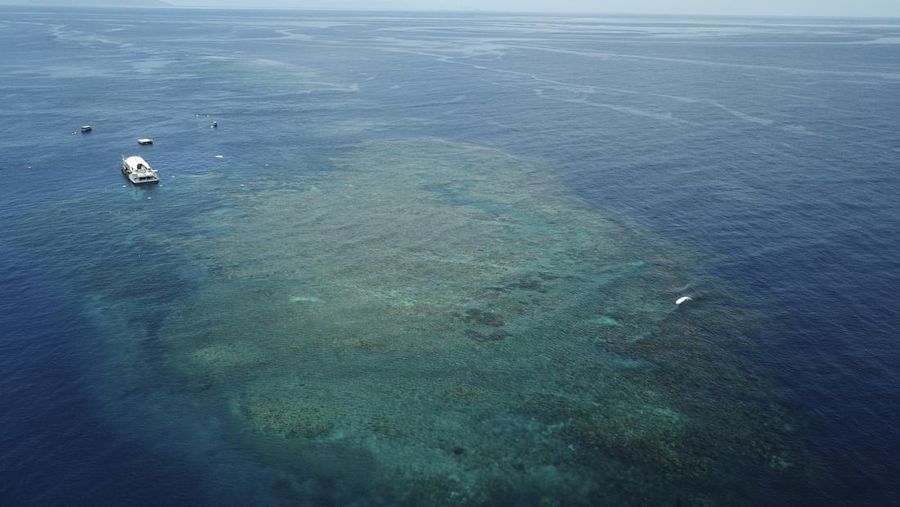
x=443 y=324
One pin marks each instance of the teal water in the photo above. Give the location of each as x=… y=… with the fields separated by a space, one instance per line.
x=432 y=260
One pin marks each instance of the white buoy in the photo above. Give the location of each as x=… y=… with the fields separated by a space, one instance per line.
x=683 y=299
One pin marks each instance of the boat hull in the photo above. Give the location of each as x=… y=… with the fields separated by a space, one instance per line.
x=136 y=179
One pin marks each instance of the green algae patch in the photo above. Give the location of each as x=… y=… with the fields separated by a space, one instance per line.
x=451 y=316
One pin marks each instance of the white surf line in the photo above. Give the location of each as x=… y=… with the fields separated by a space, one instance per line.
x=667 y=117
x=715 y=103
x=64 y=34
x=740 y=115
x=605 y=55
x=854 y=126
x=606 y=90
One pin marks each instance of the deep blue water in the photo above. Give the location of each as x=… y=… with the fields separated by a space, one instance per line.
x=767 y=147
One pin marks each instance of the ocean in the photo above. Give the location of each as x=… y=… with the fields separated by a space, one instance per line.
x=433 y=259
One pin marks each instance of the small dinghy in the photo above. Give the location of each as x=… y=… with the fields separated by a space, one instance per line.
x=683 y=299
x=145 y=141
x=86 y=128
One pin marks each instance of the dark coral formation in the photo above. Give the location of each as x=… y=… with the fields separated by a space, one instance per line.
x=492 y=336
x=483 y=318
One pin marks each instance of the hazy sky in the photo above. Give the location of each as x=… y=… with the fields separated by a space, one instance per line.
x=875 y=8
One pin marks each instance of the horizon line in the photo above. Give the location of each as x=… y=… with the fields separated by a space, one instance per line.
x=168 y=6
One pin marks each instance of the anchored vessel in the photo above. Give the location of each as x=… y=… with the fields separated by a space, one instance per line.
x=139 y=171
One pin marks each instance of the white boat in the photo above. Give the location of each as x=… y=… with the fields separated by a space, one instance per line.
x=145 y=141
x=139 y=171
x=86 y=128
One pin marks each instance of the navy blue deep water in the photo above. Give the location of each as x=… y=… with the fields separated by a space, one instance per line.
x=752 y=163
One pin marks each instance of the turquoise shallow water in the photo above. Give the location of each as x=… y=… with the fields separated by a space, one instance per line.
x=433 y=259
